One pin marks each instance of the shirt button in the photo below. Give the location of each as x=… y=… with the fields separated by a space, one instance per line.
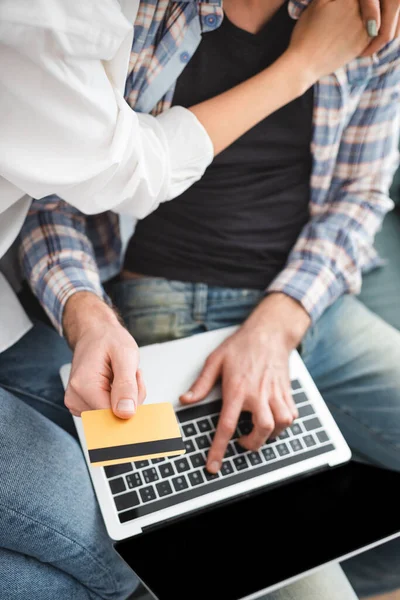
x=210 y=20
x=185 y=57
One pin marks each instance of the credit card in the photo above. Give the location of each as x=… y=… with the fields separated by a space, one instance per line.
x=152 y=432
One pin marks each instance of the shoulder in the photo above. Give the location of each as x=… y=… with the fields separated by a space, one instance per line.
x=92 y=28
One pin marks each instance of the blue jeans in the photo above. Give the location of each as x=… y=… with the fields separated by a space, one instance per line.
x=53 y=543
x=351 y=353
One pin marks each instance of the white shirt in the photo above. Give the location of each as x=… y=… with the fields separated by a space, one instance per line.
x=65 y=126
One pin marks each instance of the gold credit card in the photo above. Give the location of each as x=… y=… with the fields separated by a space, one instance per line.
x=152 y=432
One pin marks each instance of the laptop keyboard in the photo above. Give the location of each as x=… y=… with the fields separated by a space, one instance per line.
x=142 y=487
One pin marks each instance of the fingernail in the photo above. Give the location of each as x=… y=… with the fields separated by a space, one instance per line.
x=214 y=466
x=372 y=28
x=188 y=395
x=126 y=406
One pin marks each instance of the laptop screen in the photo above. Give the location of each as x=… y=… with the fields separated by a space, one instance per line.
x=260 y=540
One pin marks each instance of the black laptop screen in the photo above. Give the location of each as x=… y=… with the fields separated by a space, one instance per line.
x=239 y=548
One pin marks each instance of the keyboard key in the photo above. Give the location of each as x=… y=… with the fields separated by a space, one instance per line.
x=309 y=440
x=203 y=442
x=150 y=475
x=189 y=446
x=195 y=478
x=214 y=420
x=226 y=468
x=141 y=464
x=282 y=449
x=239 y=449
x=134 y=480
x=296 y=429
x=296 y=385
x=189 y=430
x=299 y=398
x=296 y=445
x=284 y=435
x=245 y=428
x=157 y=460
x=240 y=463
x=167 y=469
x=236 y=434
x=126 y=500
x=180 y=483
x=269 y=453
x=114 y=470
x=322 y=436
x=246 y=415
x=117 y=485
x=181 y=465
x=305 y=411
x=254 y=458
x=148 y=493
x=197 y=460
x=199 y=410
x=204 y=425
x=209 y=476
x=164 y=488
x=311 y=424
x=230 y=450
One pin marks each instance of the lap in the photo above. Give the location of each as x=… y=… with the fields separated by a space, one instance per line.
x=49 y=510
x=353 y=356
x=30 y=371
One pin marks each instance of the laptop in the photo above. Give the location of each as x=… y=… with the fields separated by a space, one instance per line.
x=138 y=497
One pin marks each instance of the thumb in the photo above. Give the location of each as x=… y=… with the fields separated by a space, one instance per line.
x=141 y=387
x=205 y=381
x=124 y=391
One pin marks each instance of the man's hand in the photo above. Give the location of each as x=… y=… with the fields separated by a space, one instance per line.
x=254 y=366
x=104 y=371
x=386 y=15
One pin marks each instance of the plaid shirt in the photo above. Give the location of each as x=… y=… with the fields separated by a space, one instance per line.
x=356 y=124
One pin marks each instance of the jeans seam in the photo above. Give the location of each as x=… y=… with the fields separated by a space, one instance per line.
x=12 y=389
x=74 y=542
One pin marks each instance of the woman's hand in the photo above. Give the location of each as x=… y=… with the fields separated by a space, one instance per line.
x=254 y=366
x=328 y=35
x=384 y=19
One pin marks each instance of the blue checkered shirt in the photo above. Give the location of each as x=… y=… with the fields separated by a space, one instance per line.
x=356 y=123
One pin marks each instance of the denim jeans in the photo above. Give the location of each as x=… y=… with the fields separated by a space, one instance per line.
x=352 y=354
x=53 y=543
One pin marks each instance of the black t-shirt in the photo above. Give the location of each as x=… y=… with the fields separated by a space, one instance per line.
x=236 y=226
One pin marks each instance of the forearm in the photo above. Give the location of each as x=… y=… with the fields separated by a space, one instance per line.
x=228 y=116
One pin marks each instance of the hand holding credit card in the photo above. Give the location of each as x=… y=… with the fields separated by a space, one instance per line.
x=152 y=432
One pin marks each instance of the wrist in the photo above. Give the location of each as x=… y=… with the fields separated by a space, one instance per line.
x=283 y=315
x=85 y=311
x=300 y=70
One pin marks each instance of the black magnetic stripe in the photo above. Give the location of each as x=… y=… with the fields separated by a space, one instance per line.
x=138 y=449
x=220 y=483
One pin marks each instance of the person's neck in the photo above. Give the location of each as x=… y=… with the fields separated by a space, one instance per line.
x=251 y=15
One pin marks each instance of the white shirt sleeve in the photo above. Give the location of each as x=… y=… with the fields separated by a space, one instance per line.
x=65 y=126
